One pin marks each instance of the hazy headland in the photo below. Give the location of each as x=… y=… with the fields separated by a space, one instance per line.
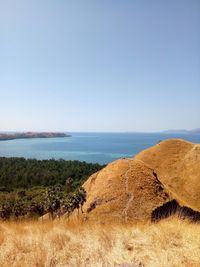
x=25 y=135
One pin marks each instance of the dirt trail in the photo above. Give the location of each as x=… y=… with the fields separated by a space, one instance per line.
x=129 y=193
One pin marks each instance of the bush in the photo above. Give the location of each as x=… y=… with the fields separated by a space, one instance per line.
x=6 y=208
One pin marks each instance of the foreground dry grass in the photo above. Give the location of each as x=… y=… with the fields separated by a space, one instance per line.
x=169 y=243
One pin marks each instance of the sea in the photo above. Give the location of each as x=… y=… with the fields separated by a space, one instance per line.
x=99 y=148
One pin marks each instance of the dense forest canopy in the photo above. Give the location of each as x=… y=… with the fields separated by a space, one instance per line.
x=26 y=173
x=34 y=187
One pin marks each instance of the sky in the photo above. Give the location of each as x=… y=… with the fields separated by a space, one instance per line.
x=99 y=65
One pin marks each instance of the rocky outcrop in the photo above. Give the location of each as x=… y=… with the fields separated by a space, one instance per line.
x=45 y=217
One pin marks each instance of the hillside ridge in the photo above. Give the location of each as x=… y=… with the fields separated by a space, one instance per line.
x=166 y=175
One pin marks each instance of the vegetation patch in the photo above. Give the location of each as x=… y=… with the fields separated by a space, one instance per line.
x=171 y=208
x=31 y=188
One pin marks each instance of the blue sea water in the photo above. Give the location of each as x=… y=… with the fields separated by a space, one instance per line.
x=89 y=147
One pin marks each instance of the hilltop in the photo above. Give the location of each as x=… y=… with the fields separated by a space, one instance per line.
x=177 y=164
x=162 y=179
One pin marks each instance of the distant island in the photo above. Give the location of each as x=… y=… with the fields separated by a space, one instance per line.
x=11 y=136
x=183 y=131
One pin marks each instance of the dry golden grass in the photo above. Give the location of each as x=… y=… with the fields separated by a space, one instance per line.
x=125 y=190
x=177 y=164
x=57 y=243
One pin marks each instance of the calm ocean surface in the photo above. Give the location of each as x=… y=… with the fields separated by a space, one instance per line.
x=90 y=147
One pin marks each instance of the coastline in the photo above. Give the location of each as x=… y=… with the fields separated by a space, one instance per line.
x=30 y=135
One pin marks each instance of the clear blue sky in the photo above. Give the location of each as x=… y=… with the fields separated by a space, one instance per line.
x=99 y=65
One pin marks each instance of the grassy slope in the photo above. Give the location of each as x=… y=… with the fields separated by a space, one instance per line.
x=177 y=164
x=168 y=243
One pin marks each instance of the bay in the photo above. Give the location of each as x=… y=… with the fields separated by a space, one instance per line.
x=90 y=147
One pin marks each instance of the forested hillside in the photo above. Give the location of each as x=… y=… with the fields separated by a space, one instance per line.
x=26 y=173
x=30 y=187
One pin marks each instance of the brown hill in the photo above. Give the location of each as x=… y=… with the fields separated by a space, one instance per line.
x=125 y=190
x=157 y=179
x=177 y=164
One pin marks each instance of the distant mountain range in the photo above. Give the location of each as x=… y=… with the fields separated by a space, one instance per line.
x=183 y=131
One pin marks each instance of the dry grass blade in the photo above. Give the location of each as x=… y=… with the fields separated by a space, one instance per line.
x=168 y=243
